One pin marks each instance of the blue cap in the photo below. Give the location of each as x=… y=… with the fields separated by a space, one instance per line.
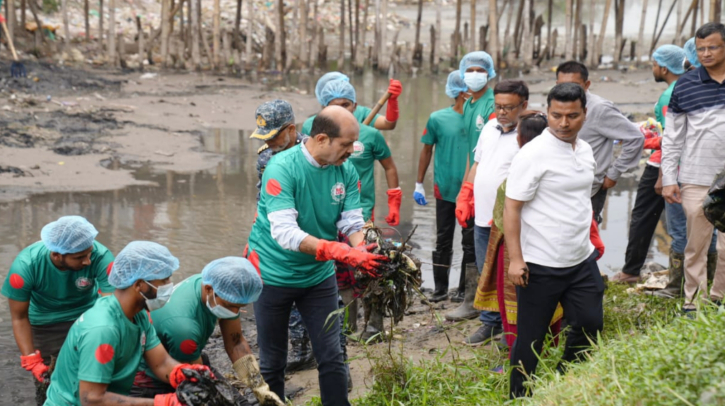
x=455 y=84
x=142 y=260
x=337 y=89
x=671 y=57
x=691 y=52
x=68 y=235
x=477 y=59
x=234 y=279
x=271 y=117
x=327 y=77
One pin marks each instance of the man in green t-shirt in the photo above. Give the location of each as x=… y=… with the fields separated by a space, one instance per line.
x=104 y=347
x=477 y=70
x=446 y=132
x=50 y=284
x=309 y=195
x=361 y=112
x=218 y=294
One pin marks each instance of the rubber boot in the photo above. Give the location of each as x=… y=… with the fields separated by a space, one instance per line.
x=374 y=327
x=711 y=266
x=676 y=279
x=466 y=311
x=441 y=269
x=458 y=296
x=300 y=358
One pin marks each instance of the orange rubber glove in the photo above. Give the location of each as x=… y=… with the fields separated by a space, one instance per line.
x=464 y=204
x=2 y=19
x=177 y=375
x=395 y=198
x=596 y=239
x=168 y=399
x=392 y=112
x=34 y=364
x=358 y=257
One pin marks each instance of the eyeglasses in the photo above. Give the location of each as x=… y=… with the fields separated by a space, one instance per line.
x=506 y=109
x=713 y=48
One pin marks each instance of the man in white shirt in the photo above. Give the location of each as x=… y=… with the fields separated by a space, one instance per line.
x=496 y=148
x=547 y=218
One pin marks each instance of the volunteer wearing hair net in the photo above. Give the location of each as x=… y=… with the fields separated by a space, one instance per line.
x=370 y=147
x=50 y=284
x=361 y=112
x=691 y=53
x=99 y=359
x=218 y=294
x=477 y=70
x=446 y=132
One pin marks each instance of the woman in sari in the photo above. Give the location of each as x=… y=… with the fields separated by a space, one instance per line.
x=495 y=291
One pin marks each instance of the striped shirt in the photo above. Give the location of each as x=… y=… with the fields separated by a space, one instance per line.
x=694 y=131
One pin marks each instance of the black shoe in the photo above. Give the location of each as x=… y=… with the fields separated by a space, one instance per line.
x=483 y=335
x=457 y=297
x=300 y=358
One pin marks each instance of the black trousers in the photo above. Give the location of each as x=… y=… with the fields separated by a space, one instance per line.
x=646 y=214
x=445 y=230
x=580 y=290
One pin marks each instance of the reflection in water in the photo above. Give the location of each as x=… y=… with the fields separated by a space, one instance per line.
x=204 y=215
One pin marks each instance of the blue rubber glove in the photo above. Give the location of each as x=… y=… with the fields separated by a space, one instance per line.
x=419 y=194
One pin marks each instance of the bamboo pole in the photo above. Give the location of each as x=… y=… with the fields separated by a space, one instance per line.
x=592 y=38
x=352 y=29
x=216 y=34
x=141 y=44
x=383 y=35
x=550 y=9
x=39 y=37
x=640 y=37
x=576 y=28
x=418 y=47
x=696 y=4
x=86 y=21
x=493 y=17
x=66 y=22
x=567 y=31
x=602 y=31
x=11 y=19
x=456 y=35
x=195 y=34
x=472 y=44
x=281 y=37
x=165 y=32
x=654 y=44
x=303 y=32
x=23 y=16
x=248 y=59
x=341 y=46
x=527 y=33
x=715 y=10
x=618 y=28
x=377 y=57
x=517 y=28
x=111 y=47
x=237 y=25
x=678 y=27
x=360 y=50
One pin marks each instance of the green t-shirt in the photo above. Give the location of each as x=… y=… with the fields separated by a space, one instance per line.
x=319 y=195
x=56 y=296
x=475 y=116
x=103 y=346
x=662 y=103
x=369 y=147
x=184 y=324
x=446 y=131
x=360 y=113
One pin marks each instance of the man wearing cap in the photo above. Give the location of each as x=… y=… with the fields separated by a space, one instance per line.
x=445 y=131
x=477 y=70
x=50 y=284
x=382 y=123
x=276 y=127
x=218 y=294
x=309 y=195
x=99 y=359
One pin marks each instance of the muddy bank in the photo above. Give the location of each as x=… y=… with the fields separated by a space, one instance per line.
x=58 y=124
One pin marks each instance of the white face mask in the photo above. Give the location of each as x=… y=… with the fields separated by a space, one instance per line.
x=163 y=294
x=220 y=312
x=475 y=80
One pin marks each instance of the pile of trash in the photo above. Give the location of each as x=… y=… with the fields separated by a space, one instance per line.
x=202 y=389
x=393 y=291
x=653 y=276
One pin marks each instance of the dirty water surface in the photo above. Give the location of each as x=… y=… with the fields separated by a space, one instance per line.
x=204 y=215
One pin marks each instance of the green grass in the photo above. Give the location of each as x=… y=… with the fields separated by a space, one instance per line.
x=647 y=355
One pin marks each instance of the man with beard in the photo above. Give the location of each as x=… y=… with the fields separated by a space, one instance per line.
x=309 y=195
x=50 y=284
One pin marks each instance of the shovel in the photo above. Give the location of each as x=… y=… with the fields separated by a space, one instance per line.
x=17 y=69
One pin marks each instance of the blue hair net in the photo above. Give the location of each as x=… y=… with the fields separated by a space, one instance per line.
x=455 y=84
x=691 y=53
x=142 y=260
x=68 y=235
x=326 y=78
x=670 y=57
x=337 y=89
x=234 y=279
x=479 y=59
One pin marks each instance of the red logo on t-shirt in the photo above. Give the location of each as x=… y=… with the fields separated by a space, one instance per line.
x=108 y=270
x=254 y=259
x=664 y=111
x=273 y=187
x=104 y=353
x=16 y=281
x=188 y=347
